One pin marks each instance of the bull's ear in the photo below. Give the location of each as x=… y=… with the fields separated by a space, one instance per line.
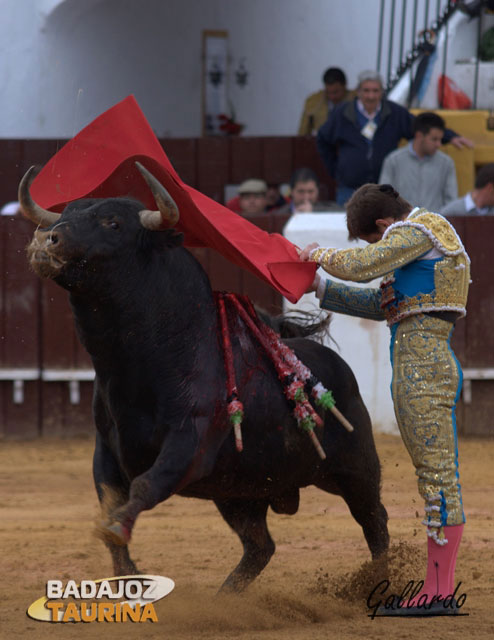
x=174 y=238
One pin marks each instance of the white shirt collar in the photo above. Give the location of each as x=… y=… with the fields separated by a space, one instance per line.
x=368 y=115
x=414 y=210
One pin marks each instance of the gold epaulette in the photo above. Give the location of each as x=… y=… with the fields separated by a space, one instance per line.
x=439 y=230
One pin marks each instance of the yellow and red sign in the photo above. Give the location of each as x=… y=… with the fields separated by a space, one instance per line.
x=117 y=599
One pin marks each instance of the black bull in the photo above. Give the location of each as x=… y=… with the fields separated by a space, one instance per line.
x=145 y=312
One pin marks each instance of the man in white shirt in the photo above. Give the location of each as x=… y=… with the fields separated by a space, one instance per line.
x=480 y=201
x=420 y=172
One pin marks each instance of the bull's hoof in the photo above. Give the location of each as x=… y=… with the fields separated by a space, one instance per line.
x=115 y=533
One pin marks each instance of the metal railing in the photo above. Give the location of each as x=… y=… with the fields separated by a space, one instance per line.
x=418 y=23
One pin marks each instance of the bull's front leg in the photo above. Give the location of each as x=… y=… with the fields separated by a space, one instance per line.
x=180 y=462
x=113 y=492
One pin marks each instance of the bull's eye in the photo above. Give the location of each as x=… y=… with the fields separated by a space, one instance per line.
x=114 y=225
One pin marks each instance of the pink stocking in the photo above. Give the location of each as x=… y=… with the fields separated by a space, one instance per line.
x=441 y=562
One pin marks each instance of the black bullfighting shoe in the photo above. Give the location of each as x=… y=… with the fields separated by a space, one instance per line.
x=443 y=608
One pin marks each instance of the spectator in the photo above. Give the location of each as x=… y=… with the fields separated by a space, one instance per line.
x=420 y=172
x=318 y=105
x=252 y=197
x=274 y=197
x=304 y=193
x=480 y=201
x=359 y=134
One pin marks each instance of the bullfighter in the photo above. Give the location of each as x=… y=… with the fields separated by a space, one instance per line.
x=426 y=274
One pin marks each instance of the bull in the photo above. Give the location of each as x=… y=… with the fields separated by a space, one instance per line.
x=145 y=312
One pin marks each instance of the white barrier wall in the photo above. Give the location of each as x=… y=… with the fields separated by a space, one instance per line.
x=364 y=344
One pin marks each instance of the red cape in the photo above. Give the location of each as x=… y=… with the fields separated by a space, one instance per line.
x=99 y=163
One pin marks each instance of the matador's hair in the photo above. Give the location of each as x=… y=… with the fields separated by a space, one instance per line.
x=371 y=202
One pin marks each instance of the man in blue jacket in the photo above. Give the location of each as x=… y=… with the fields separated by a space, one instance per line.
x=359 y=134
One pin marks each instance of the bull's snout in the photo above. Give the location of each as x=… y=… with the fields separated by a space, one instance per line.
x=44 y=253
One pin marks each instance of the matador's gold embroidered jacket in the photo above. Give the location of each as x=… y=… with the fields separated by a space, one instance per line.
x=424 y=263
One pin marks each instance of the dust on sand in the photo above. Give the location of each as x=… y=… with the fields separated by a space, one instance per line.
x=315 y=586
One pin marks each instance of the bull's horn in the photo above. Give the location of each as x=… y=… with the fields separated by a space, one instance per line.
x=168 y=215
x=29 y=208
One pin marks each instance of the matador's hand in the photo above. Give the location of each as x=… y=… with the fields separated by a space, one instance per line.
x=315 y=284
x=304 y=254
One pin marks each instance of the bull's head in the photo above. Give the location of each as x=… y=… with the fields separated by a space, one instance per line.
x=49 y=250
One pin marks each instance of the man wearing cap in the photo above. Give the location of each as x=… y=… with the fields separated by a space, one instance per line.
x=252 y=197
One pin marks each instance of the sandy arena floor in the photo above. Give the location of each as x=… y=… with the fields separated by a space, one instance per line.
x=48 y=507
